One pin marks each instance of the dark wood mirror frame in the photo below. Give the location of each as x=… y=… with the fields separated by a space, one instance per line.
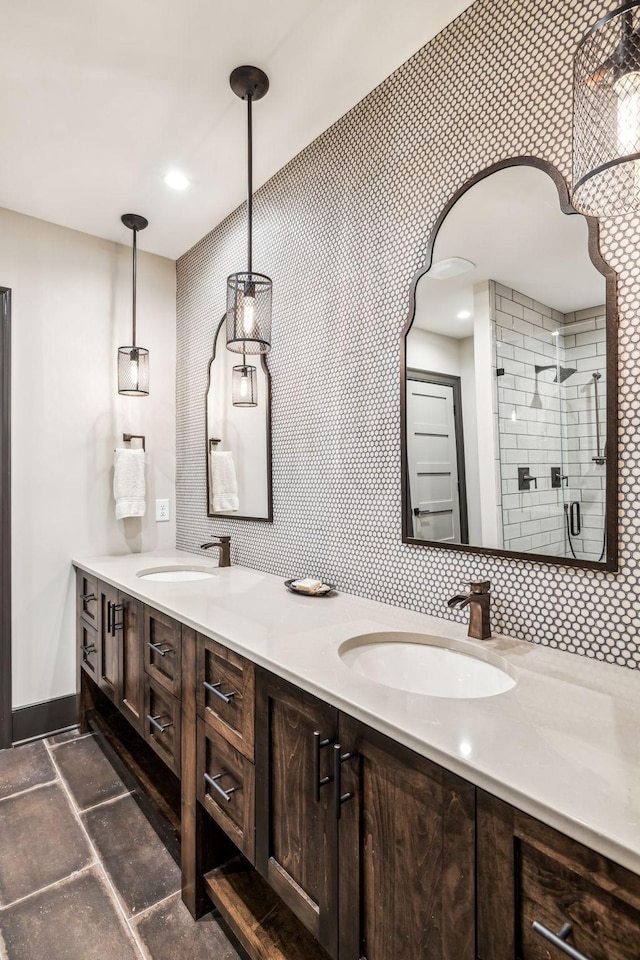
x=610 y=563
x=265 y=368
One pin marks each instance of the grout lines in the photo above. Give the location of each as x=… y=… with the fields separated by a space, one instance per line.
x=114 y=893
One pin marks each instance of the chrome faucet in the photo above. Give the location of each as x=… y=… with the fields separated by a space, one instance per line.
x=224 y=546
x=479 y=602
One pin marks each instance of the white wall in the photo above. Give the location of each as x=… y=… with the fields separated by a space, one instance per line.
x=71 y=309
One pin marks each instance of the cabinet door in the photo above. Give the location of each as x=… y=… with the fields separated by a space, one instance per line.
x=538 y=890
x=129 y=625
x=406 y=849
x=108 y=639
x=296 y=829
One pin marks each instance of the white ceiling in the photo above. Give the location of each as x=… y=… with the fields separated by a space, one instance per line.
x=99 y=100
x=511 y=227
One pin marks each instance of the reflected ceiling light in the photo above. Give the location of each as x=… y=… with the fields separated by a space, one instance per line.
x=176 y=180
x=244 y=386
x=463 y=314
x=452 y=266
x=606 y=115
x=133 y=361
x=249 y=293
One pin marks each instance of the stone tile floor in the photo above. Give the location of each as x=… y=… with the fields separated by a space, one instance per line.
x=83 y=876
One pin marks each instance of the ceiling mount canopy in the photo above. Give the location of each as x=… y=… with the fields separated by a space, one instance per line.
x=249 y=293
x=133 y=361
x=606 y=120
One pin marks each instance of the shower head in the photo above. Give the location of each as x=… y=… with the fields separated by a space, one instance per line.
x=562 y=373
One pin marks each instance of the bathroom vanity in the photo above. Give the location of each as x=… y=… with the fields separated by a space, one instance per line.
x=327 y=813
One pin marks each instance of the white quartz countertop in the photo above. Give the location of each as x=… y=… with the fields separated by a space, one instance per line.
x=563 y=745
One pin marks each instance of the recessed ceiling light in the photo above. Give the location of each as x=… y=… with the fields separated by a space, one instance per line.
x=451 y=267
x=176 y=180
x=463 y=314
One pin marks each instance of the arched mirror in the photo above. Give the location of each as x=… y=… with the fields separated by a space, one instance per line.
x=238 y=423
x=509 y=377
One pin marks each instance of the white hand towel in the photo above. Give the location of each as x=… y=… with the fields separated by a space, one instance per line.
x=128 y=483
x=224 y=482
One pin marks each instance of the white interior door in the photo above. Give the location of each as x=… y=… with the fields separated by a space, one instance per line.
x=433 y=462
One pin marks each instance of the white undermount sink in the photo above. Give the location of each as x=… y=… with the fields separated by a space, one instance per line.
x=430 y=665
x=177 y=574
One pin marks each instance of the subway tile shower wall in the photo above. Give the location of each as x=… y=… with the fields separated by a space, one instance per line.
x=341 y=230
x=546 y=424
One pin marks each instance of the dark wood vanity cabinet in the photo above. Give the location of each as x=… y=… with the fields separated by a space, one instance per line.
x=406 y=852
x=296 y=826
x=534 y=883
x=371 y=846
x=297 y=818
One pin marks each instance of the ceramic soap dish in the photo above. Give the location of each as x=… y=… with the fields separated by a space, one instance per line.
x=308 y=587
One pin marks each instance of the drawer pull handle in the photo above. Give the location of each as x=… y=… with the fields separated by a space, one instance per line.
x=158 y=649
x=90 y=648
x=338 y=796
x=213 y=688
x=559 y=940
x=87 y=597
x=161 y=727
x=213 y=782
x=319 y=742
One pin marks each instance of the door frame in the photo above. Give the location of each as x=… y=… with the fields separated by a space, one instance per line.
x=5 y=518
x=445 y=380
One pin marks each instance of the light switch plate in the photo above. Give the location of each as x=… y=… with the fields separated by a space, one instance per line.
x=162 y=511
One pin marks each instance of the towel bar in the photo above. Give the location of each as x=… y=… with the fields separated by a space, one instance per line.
x=128 y=437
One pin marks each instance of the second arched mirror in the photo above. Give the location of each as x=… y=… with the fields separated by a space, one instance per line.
x=238 y=449
x=508 y=379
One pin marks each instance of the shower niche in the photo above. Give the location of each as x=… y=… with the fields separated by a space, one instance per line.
x=508 y=376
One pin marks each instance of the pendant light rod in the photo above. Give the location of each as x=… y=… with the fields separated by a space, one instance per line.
x=133 y=295
x=249 y=184
x=134 y=222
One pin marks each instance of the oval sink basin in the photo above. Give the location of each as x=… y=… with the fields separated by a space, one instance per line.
x=420 y=663
x=177 y=574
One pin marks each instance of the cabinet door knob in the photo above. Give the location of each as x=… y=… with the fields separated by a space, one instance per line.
x=338 y=796
x=319 y=742
x=213 y=688
x=213 y=782
x=559 y=940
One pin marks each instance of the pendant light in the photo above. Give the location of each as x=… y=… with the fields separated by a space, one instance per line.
x=249 y=293
x=606 y=121
x=133 y=361
x=244 y=386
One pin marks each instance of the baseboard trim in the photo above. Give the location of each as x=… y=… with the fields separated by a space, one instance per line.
x=42 y=719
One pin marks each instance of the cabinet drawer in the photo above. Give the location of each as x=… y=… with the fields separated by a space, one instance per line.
x=162 y=650
x=161 y=724
x=553 y=893
x=226 y=788
x=87 y=597
x=226 y=693
x=88 y=648
x=530 y=874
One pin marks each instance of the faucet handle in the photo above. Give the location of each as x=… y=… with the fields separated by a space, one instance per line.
x=478 y=586
x=224 y=539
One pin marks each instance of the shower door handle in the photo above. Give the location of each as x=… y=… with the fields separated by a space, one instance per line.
x=574 y=519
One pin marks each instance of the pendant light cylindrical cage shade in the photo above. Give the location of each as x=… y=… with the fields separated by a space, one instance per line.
x=606 y=118
x=133 y=371
x=244 y=386
x=248 y=313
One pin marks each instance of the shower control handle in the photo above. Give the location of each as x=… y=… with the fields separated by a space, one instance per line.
x=558 y=478
x=525 y=479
